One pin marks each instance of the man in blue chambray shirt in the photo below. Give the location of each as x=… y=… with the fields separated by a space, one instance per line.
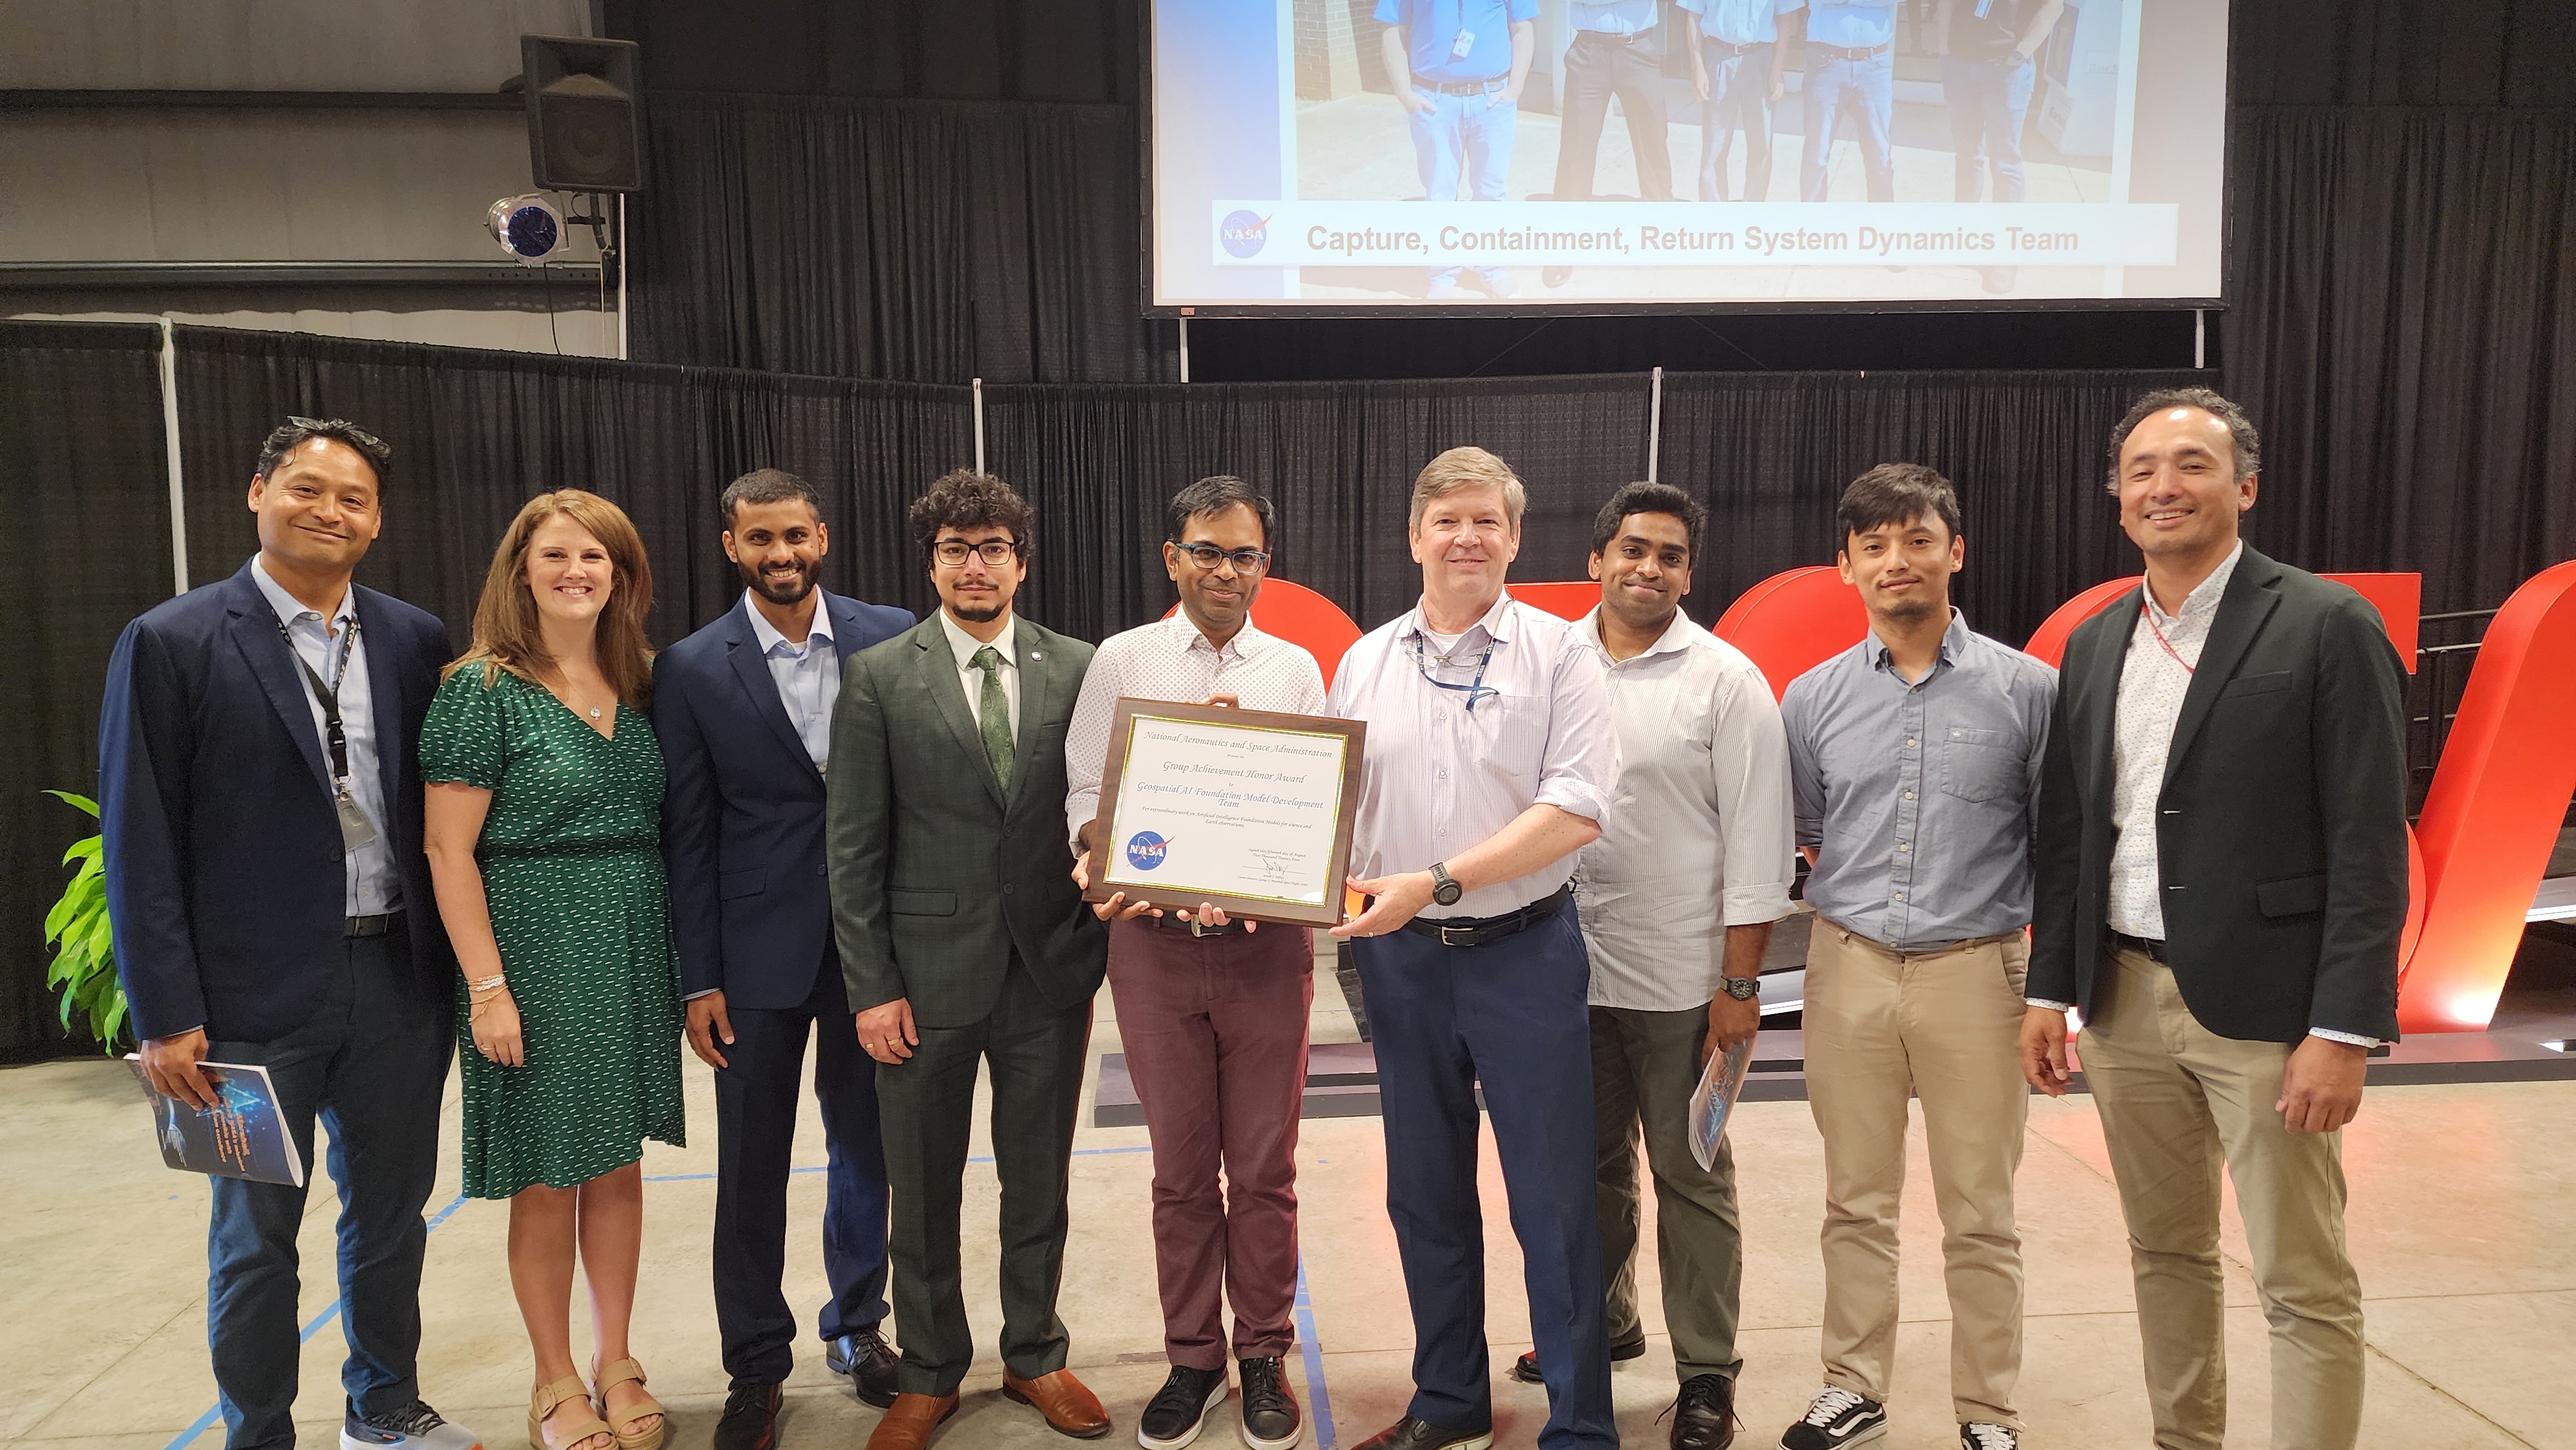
x=1914 y=759
x=1617 y=49
x=1736 y=64
x=1851 y=71
x=1458 y=67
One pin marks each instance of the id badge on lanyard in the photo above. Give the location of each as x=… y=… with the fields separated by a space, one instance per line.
x=356 y=829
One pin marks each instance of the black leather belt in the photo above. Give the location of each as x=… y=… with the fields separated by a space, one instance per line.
x=1170 y=921
x=383 y=925
x=1605 y=37
x=2145 y=945
x=1462 y=88
x=1837 y=52
x=1476 y=931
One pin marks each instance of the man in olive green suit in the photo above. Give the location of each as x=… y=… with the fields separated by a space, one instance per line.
x=964 y=939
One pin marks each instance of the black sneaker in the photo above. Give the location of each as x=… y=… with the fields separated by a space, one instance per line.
x=1987 y=1435
x=1269 y=1418
x=1412 y=1434
x=750 y=1419
x=1177 y=1411
x=1704 y=1415
x=1835 y=1418
x=413 y=1427
x=1525 y=1369
x=870 y=1363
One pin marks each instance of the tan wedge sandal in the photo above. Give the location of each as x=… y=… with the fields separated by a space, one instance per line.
x=617 y=1372
x=565 y=1391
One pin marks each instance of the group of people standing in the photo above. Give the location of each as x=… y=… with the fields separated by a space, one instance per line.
x=1463 y=65
x=335 y=851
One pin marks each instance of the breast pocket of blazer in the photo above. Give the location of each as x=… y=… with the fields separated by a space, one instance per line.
x=1982 y=765
x=2270 y=682
x=906 y=902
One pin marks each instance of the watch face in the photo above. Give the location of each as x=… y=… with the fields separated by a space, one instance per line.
x=1447 y=895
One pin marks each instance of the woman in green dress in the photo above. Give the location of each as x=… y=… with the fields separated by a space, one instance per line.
x=545 y=791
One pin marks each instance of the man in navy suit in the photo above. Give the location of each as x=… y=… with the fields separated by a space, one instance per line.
x=262 y=807
x=744 y=711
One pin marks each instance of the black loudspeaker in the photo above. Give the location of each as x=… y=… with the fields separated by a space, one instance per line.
x=585 y=129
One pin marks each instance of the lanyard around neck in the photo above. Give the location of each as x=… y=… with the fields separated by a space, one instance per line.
x=334 y=732
x=1474 y=690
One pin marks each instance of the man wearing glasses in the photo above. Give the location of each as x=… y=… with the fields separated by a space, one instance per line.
x=964 y=943
x=1491 y=758
x=1211 y=1012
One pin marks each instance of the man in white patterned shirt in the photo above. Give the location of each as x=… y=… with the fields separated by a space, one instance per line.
x=1211 y=1012
x=2222 y=883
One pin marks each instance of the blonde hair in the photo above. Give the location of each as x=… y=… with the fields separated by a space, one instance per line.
x=1464 y=468
x=506 y=635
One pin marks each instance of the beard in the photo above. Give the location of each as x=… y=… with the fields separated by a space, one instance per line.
x=978 y=613
x=1909 y=611
x=785 y=589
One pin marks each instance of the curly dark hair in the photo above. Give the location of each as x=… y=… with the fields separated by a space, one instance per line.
x=295 y=432
x=2242 y=440
x=965 y=499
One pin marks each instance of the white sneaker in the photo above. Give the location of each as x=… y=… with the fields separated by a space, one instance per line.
x=1987 y=1435
x=1835 y=1418
x=415 y=1427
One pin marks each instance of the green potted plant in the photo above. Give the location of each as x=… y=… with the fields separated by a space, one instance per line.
x=84 y=967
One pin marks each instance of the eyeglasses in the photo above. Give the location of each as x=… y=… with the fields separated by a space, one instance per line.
x=994 y=552
x=1208 y=556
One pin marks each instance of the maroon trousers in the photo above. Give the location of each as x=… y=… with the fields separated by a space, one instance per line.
x=1215 y=1034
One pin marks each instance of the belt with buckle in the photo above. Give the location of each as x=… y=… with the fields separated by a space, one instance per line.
x=2144 y=945
x=1169 y=921
x=1462 y=88
x=1731 y=49
x=1613 y=37
x=1475 y=932
x=383 y=924
x=1837 y=52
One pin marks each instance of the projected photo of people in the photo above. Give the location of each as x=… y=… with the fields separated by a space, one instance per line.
x=1497 y=152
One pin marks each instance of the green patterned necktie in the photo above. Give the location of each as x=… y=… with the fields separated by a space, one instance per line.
x=996 y=710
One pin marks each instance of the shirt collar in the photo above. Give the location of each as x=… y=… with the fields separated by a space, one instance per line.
x=1497 y=623
x=289 y=608
x=1247 y=641
x=2202 y=601
x=1676 y=635
x=771 y=640
x=1954 y=645
x=964 y=645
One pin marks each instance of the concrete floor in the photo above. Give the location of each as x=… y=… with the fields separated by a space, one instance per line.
x=2464 y=1210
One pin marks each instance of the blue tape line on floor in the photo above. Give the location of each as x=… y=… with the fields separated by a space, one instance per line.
x=1316 y=1395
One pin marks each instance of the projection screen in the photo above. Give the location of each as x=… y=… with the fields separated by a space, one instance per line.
x=1628 y=155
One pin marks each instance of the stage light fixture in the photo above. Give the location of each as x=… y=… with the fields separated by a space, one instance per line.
x=527 y=227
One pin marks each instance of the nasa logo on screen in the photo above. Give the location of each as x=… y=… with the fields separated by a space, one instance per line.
x=1145 y=850
x=1242 y=234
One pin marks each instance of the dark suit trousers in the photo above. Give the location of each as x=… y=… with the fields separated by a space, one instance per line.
x=1510 y=1017
x=1034 y=1051
x=1596 y=67
x=755 y=1147
x=371 y=1062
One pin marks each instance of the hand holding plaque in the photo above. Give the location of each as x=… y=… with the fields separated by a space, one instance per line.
x=1245 y=810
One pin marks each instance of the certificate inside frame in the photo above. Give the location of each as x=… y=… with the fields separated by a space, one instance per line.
x=1109 y=842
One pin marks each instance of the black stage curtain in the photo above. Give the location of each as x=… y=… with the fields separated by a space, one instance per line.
x=931 y=241
x=2406 y=339
x=88 y=548
x=476 y=434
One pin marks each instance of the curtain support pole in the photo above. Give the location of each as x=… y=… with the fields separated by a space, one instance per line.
x=1185 y=349
x=2199 y=338
x=170 y=449
x=1654 y=423
x=621 y=276
x=979 y=425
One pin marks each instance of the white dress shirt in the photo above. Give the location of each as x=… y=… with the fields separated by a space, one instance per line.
x=1441 y=777
x=1698 y=835
x=808 y=675
x=1170 y=660
x=971 y=678
x=374 y=885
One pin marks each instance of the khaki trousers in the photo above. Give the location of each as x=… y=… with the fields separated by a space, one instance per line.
x=1943 y=1025
x=1644 y=1067
x=2175 y=1097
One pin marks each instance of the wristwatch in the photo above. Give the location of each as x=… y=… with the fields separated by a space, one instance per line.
x=1743 y=989
x=1445 y=890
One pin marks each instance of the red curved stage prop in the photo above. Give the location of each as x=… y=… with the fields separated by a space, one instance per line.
x=2475 y=857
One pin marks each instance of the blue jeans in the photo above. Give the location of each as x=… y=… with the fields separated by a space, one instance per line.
x=1510 y=1017
x=1988 y=101
x=1739 y=94
x=372 y=1063
x=1864 y=90
x=1472 y=134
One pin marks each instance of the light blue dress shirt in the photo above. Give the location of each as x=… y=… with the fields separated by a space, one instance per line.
x=1919 y=797
x=1740 y=22
x=1432 y=29
x=1860 y=25
x=808 y=675
x=374 y=884
x=1612 y=17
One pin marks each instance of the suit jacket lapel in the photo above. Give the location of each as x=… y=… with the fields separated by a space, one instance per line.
x=751 y=668
x=2102 y=677
x=2248 y=602
x=940 y=680
x=1037 y=675
x=254 y=627
x=385 y=700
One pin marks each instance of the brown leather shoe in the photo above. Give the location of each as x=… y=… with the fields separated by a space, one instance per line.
x=912 y=1420
x=1069 y=1408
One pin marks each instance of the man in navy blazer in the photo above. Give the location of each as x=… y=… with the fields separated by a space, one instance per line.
x=261 y=803
x=744 y=711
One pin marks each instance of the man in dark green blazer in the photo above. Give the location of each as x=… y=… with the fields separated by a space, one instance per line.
x=963 y=940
